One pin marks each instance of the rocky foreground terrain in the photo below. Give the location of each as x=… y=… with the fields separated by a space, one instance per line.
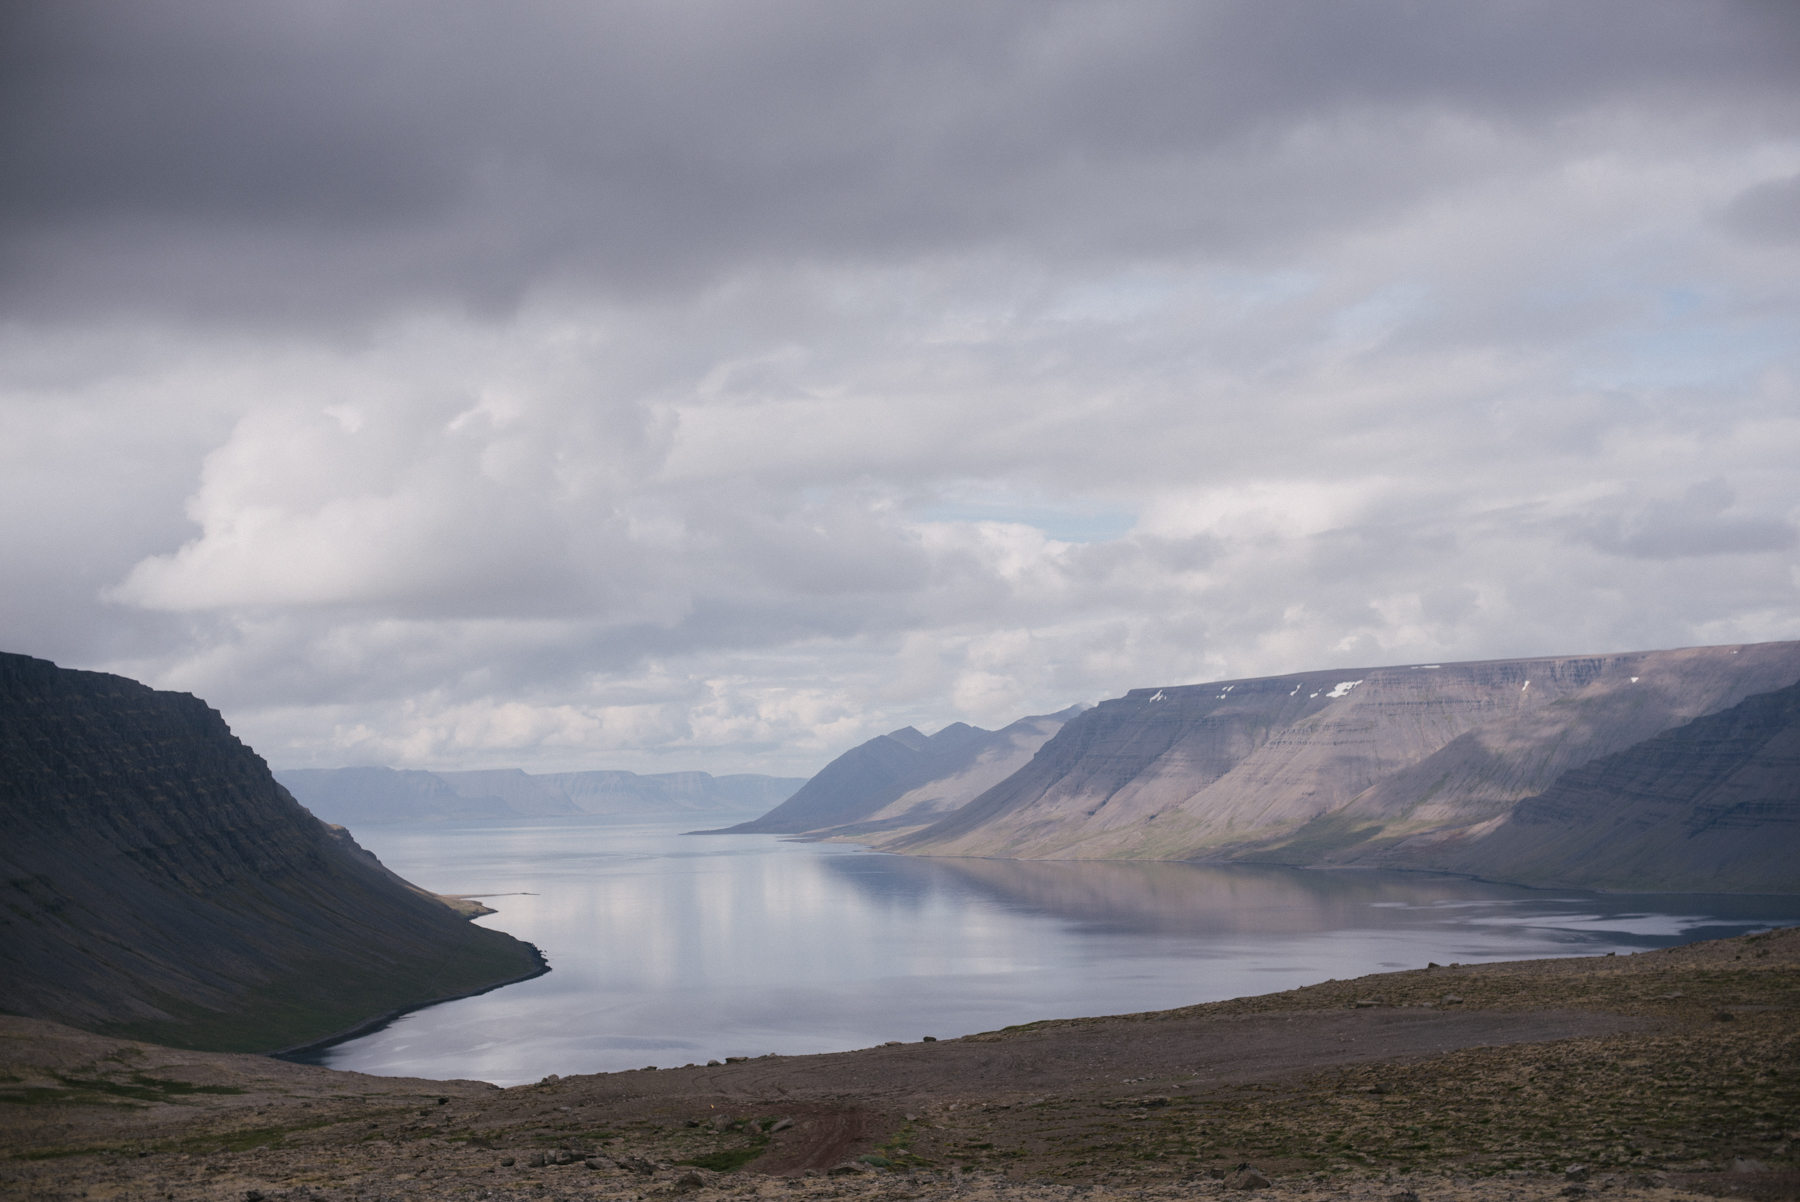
x=1661 y=1075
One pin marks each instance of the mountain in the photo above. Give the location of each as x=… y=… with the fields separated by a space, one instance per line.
x=161 y=885
x=1724 y=789
x=1411 y=766
x=898 y=782
x=359 y=796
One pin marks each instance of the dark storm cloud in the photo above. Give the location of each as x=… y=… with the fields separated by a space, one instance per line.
x=306 y=159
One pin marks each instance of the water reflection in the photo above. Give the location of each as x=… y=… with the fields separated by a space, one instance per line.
x=668 y=949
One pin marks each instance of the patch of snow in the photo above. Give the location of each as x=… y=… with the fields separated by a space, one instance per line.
x=1311 y=695
x=1342 y=689
x=1525 y=686
x=1159 y=696
x=1634 y=680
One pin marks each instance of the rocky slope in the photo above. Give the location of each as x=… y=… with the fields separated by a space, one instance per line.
x=160 y=884
x=1410 y=766
x=901 y=781
x=363 y=795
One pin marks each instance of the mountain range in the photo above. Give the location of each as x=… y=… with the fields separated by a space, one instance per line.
x=1675 y=770
x=903 y=781
x=357 y=796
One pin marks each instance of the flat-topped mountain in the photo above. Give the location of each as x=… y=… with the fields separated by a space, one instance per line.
x=364 y=795
x=901 y=781
x=1426 y=766
x=160 y=884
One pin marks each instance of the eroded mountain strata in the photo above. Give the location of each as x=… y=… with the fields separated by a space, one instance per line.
x=159 y=884
x=1408 y=766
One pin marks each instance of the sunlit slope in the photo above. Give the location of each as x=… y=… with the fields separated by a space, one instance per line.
x=160 y=884
x=1340 y=766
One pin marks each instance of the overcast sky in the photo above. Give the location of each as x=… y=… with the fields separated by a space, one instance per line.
x=678 y=384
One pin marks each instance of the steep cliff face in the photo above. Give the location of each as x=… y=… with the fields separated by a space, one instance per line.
x=1366 y=765
x=160 y=884
x=1710 y=806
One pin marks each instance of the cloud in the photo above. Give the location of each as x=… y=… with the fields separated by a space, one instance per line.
x=694 y=385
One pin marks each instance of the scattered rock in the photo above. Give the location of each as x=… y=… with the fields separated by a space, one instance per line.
x=562 y=1156
x=721 y=1121
x=1575 y=1191
x=687 y=1182
x=637 y=1164
x=1450 y=999
x=1576 y=1172
x=537 y=1161
x=600 y=1162
x=1404 y=1195
x=781 y=1125
x=847 y=1170
x=1744 y=1164
x=1248 y=1178
x=714 y=1063
x=507 y=1162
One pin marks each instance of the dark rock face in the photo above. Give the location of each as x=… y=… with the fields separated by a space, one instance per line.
x=160 y=884
x=1713 y=805
x=1412 y=766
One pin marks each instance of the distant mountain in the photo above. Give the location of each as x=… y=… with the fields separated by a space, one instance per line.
x=903 y=780
x=161 y=885
x=1418 y=766
x=360 y=796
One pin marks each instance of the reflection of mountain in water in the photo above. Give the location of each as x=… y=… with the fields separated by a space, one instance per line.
x=1246 y=900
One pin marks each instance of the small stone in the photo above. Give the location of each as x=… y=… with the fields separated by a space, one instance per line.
x=507 y=1162
x=599 y=1162
x=687 y=1183
x=1450 y=999
x=1249 y=1179
x=721 y=1121
x=537 y=1161
x=1576 y=1172
x=781 y=1125
x=691 y=1123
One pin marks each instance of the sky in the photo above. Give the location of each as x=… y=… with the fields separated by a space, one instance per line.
x=689 y=385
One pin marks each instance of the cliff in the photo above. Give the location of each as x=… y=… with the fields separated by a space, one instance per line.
x=160 y=885
x=1410 y=766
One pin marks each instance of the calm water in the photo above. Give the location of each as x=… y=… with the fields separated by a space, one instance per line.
x=668 y=949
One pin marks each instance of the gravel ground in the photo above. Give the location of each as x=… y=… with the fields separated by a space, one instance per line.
x=1662 y=1074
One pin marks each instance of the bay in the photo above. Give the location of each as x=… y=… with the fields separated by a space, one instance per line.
x=669 y=948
